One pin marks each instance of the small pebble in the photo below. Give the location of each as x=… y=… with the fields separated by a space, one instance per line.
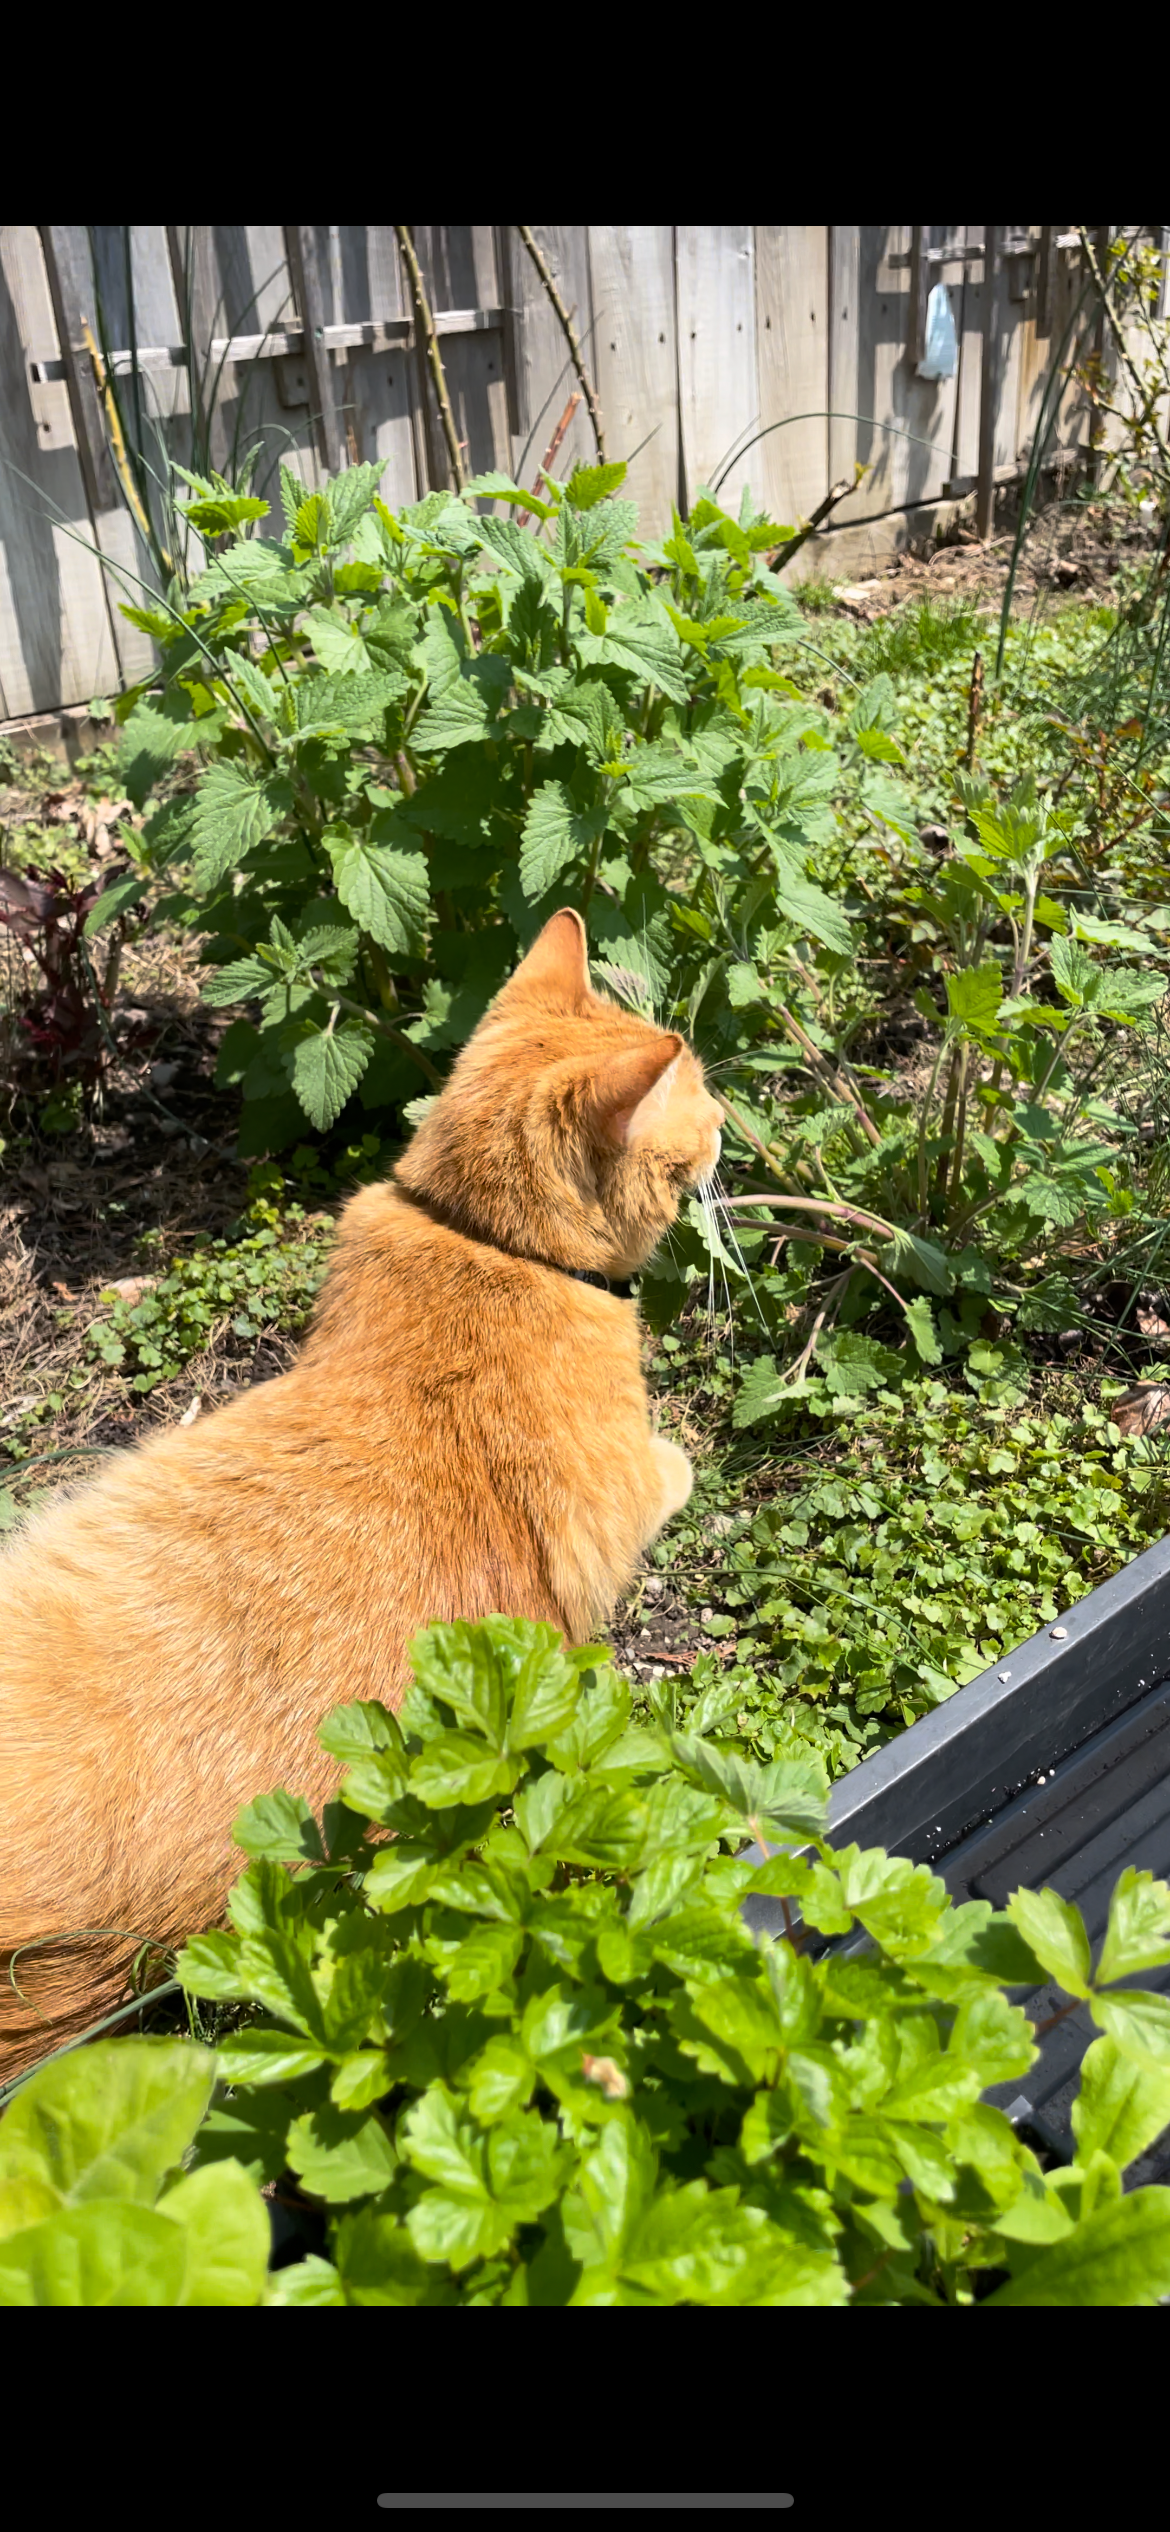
x=1059 y=1634
x=1005 y=1675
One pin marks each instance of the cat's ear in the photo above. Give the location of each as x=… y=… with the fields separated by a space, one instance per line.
x=556 y=969
x=628 y=1093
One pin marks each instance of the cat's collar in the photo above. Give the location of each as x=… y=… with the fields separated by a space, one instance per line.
x=622 y=1289
x=590 y=1275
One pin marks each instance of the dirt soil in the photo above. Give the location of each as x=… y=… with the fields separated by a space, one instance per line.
x=1070 y=551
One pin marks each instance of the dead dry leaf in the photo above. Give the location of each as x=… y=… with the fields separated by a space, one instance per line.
x=1142 y=1409
x=131 y=1287
x=607 y=2074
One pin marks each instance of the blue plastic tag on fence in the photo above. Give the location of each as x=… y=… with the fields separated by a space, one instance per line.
x=941 y=356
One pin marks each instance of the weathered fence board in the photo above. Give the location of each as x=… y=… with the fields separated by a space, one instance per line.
x=302 y=339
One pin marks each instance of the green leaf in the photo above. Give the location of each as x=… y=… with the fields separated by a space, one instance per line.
x=399 y=1877
x=259 y=690
x=1138 y=2022
x=1055 y=1931
x=497 y=487
x=280 y=1825
x=209 y=1965
x=761 y=1392
x=589 y=484
x=1121 y=2108
x=350 y=1731
x=880 y=747
x=114 y=901
x=218 y=513
x=454 y=1768
x=1138 y=1933
x=920 y=1321
x=341 y=2155
x=854 y=1364
x=556 y=833
x=261 y=2056
x=805 y=906
x=346 y=707
x=502 y=2077
x=918 y=1262
x=387 y=892
x=226 y=2232
x=149 y=744
x=105 y=2253
x=106 y=2122
x=483 y=1962
x=974 y=995
x=326 y=1067
x=1119 y=2256
x=378 y=2263
x=279 y=1976
x=337 y=643
x=233 y=814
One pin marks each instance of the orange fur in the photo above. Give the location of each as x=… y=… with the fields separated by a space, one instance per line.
x=466 y=1430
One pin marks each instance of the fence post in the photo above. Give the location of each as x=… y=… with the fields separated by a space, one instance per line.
x=988 y=393
x=919 y=276
x=69 y=271
x=301 y=248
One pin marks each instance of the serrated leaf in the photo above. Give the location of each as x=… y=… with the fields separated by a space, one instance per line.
x=242 y=673
x=1138 y=1933
x=341 y=2154
x=326 y=1067
x=974 y=995
x=556 y=834
x=1121 y=2108
x=282 y=1826
x=590 y=484
x=1119 y=2256
x=761 y=1392
x=387 y=892
x=337 y=643
x=1138 y=2021
x=1055 y=1931
x=233 y=813
x=920 y=1321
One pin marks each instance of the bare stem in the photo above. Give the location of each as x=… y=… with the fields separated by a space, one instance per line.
x=426 y=326
x=569 y=331
x=974 y=709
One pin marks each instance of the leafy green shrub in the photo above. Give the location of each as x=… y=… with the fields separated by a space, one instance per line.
x=95 y=2207
x=528 y=2052
x=267 y=1276
x=421 y=732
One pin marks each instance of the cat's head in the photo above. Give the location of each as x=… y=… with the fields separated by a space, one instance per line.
x=569 y=1128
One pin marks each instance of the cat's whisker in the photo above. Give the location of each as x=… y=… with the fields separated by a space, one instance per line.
x=727 y=1227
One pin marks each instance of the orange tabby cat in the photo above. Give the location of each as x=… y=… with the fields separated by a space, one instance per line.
x=466 y=1430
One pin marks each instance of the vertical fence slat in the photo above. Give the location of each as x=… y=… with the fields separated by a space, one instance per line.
x=66 y=628
x=790 y=467
x=718 y=391
x=844 y=293
x=636 y=366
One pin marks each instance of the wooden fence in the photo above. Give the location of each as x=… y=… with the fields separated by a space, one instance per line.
x=698 y=338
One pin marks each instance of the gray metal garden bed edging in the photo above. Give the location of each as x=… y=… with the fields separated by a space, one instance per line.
x=1053 y=1767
